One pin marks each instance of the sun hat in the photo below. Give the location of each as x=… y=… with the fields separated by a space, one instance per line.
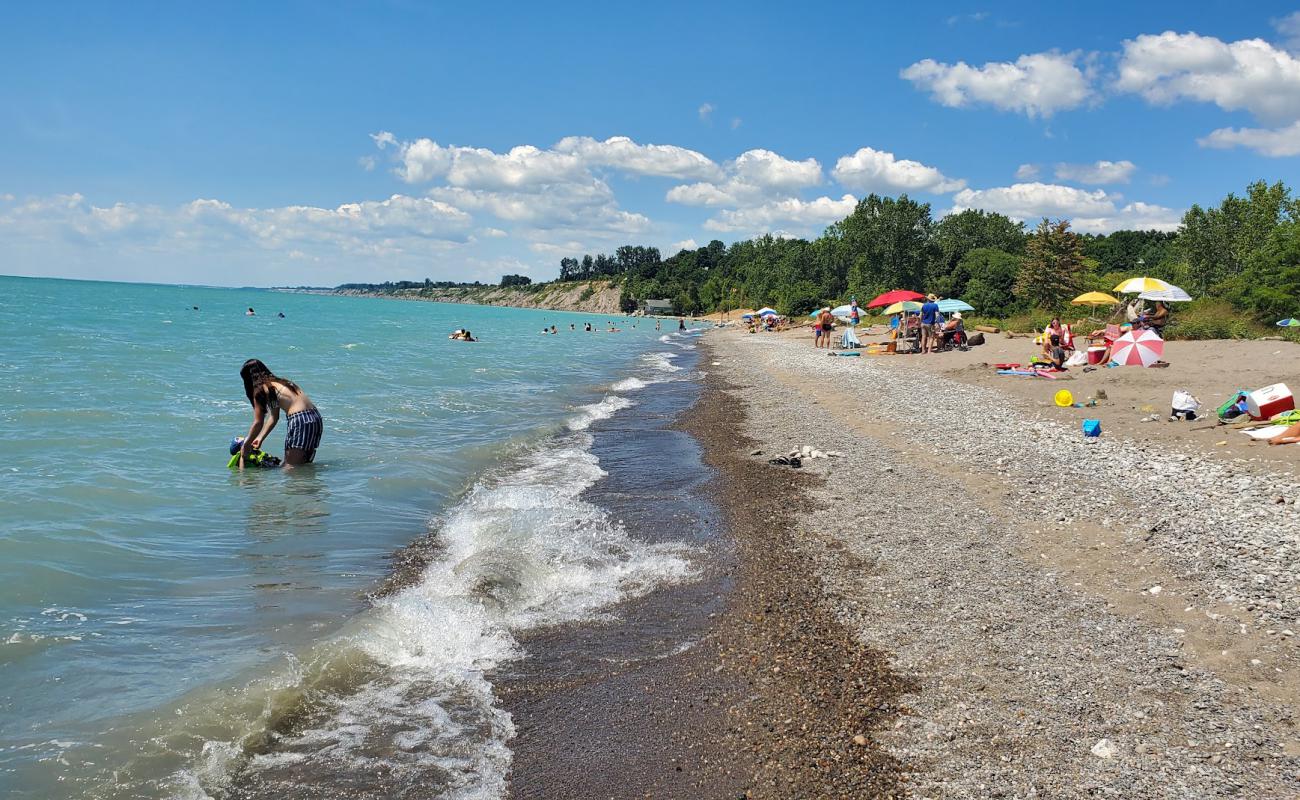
x=956 y=315
x=931 y=296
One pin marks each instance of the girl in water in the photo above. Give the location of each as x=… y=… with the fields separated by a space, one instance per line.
x=269 y=394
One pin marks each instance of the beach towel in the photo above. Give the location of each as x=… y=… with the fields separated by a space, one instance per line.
x=1268 y=432
x=849 y=339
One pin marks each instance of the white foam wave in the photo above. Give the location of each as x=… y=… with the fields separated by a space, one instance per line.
x=629 y=384
x=521 y=550
x=661 y=361
x=595 y=412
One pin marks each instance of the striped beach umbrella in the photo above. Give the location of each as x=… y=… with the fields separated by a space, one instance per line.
x=901 y=307
x=1138 y=349
x=1289 y=322
x=1141 y=285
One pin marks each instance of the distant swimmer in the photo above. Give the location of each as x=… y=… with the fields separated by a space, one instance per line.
x=572 y=327
x=586 y=326
x=269 y=394
x=280 y=315
x=554 y=330
x=681 y=323
x=250 y=312
x=462 y=336
x=196 y=308
x=659 y=325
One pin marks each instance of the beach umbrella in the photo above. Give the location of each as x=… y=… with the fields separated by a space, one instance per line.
x=903 y=306
x=1171 y=295
x=845 y=311
x=1095 y=299
x=1144 y=284
x=1138 y=349
x=895 y=296
x=765 y=312
x=950 y=304
x=1289 y=322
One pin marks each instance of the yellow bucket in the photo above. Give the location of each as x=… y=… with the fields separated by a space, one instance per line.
x=1064 y=399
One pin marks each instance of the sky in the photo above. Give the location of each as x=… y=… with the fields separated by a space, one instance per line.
x=274 y=144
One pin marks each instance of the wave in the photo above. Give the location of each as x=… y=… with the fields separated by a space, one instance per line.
x=629 y=384
x=401 y=690
x=661 y=361
x=595 y=412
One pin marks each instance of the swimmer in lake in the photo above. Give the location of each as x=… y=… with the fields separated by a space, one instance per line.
x=270 y=394
x=250 y=312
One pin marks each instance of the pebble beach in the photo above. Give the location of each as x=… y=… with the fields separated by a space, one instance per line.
x=1055 y=617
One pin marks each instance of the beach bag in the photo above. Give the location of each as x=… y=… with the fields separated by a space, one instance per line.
x=1229 y=409
x=1184 y=401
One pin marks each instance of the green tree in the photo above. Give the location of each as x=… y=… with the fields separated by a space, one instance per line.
x=1217 y=242
x=958 y=234
x=1269 y=286
x=991 y=288
x=1052 y=270
x=889 y=244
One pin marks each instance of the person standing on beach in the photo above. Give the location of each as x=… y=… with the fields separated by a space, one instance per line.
x=854 y=314
x=826 y=321
x=269 y=394
x=929 y=319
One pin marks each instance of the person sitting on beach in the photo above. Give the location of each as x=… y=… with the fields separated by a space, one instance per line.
x=269 y=394
x=1289 y=436
x=952 y=328
x=1056 y=353
x=1159 y=318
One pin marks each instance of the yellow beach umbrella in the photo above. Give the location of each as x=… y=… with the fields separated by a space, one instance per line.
x=1095 y=299
x=901 y=306
x=1142 y=285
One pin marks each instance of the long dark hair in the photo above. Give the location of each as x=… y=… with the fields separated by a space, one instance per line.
x=257 y=383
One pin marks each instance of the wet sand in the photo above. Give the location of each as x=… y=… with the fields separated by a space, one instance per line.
x=774 y=697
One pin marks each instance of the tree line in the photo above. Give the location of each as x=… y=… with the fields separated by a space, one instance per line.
x=1245 y=251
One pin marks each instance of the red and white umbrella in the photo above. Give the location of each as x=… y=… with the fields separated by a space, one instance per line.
x=1138 y=349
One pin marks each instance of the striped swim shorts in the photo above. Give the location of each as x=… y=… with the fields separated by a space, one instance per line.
x=304 y=431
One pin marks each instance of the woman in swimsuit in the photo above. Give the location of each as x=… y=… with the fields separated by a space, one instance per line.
x=269 y=394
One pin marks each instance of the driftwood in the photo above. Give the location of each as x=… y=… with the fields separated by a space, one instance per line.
x=988 y=328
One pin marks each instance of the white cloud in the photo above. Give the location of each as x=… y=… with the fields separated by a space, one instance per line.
x=492 y=233
x=368 y=163
x=1248 y=75
x=1027 y=172
x=1289 y=27
x=575 y=207
x=705 y=110
x=754 y=177
x=383 y=139
x=355 y=227
x=1097 y=173
x=1134 y=216
x=1094 y=211
x=736 y=122
x=870 y=170
x=768 y=216
x=625 y=155
x=685 y=244
x=1277 y=143
x=1027 y=201
x=1037 y=84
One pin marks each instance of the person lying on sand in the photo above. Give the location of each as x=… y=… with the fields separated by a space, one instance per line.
x=1289 y=436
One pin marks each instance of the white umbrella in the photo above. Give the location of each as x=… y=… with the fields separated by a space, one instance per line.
x=1171 y=295
x=763 y=312
x=845 y=311
x=1138 y=349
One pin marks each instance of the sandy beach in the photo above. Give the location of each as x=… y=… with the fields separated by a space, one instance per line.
x=1070 y=619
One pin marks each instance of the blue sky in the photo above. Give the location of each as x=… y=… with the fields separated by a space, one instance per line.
x=322 y=143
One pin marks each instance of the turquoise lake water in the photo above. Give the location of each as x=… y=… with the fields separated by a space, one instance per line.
x=169 y=627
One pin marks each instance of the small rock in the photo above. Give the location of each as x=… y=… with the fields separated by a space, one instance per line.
x=1155 y=590
x=860 y=740
x=1103 y=749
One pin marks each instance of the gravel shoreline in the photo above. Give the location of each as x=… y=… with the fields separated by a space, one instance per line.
x=1078 y=620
